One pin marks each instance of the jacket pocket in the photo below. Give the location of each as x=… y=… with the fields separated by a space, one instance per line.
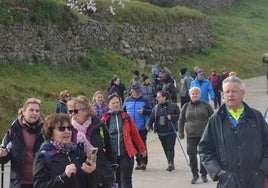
x=227 y=180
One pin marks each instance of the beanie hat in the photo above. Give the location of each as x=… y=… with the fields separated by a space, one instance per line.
x=136 y=73
x=183 y=71
x=145 y=77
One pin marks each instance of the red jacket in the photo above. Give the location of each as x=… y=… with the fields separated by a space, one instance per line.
x=130 y=133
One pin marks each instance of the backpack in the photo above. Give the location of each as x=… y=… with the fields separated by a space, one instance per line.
x=47 y=159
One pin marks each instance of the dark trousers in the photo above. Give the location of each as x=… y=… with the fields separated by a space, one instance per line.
x=27 y=186
x=217 y=100
x=139 y=158
x=168 y=144
x=124 y=171
x=184 y=100
x=192 y=144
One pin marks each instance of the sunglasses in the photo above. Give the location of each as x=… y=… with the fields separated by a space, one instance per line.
x=75 y=111
x=62 y=128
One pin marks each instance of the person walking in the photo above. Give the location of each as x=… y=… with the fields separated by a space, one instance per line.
x=148 y=90
x=60 y=163
x=61 y=106
x=193 y=118
x=204 y=85
x=140 y=108
x=164 y=116
x=89 y=131
x=99 y=105
x=168 y=84
x=125 y=137
x=21 y=142
x=215 y=81
x=186 y=80
x=234 y=145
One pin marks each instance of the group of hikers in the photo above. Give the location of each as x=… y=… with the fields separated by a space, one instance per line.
x=58 y=151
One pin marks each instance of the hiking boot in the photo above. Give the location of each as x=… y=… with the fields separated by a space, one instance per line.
x=143 y=166
x=195 y=178
x=204 y=178
x=138 y=167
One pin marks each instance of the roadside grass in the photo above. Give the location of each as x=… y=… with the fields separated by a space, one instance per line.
x=239 y=40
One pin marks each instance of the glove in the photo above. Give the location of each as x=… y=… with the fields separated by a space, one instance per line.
x=181 y=136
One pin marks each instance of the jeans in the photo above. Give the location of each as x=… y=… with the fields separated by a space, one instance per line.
x=168 y=144
x=124 y=171
x=139 y=158
x=192 y=144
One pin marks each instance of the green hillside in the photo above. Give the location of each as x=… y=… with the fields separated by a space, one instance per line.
x=238 y=43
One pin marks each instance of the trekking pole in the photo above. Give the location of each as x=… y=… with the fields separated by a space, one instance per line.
x=172 y=125
x=175 y=131
x=2 y=175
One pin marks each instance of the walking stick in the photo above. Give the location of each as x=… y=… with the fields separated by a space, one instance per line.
x=172 y=125
x=2 y=175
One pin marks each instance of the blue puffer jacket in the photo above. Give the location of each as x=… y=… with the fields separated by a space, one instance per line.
x=205 y=87
x=132 y=105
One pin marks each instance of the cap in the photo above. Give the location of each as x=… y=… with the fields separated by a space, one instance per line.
x=200 y=71
x=136 y=87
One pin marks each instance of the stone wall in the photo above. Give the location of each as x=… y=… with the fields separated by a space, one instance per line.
x=205 y=5
x=148 y=44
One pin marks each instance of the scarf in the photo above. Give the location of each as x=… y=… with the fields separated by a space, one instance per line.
x=63 y=148
x=81 y=135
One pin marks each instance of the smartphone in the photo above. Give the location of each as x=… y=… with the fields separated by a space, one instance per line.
x=92 y=153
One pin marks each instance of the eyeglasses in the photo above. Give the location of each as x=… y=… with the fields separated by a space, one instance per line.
x=75 y=111
x=62 y=128
x=232 y=91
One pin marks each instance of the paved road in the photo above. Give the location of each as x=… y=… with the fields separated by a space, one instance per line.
x=156 y=174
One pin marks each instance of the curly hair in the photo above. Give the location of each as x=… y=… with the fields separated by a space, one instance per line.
x=50 y=123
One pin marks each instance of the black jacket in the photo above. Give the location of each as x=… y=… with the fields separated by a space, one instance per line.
x=162 y=110
x=106 y=157
x=54 y=176
x=242 y=151
x=16 y=155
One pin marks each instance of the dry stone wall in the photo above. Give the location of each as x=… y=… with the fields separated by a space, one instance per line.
x=149 y=44
x=206 y=5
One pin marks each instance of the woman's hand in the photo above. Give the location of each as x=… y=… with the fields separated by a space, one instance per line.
x=89 y=166
x=144 y=154
x=3 y=152
x=70 y=169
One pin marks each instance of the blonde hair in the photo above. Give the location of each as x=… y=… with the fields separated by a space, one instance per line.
x=63 y=94
x=84 y=103
x=27 y=102
x=193 y=89
x=232 y=73
x=95 y=94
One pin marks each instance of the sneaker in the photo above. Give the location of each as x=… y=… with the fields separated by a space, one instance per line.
x=138 y=167
x=170 y=167
x=143 y=166
x=195 y=178
x=204 y=178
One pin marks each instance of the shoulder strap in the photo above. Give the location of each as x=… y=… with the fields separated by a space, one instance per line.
x=47 y=158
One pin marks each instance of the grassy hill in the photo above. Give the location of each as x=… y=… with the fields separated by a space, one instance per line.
x=238 y=43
